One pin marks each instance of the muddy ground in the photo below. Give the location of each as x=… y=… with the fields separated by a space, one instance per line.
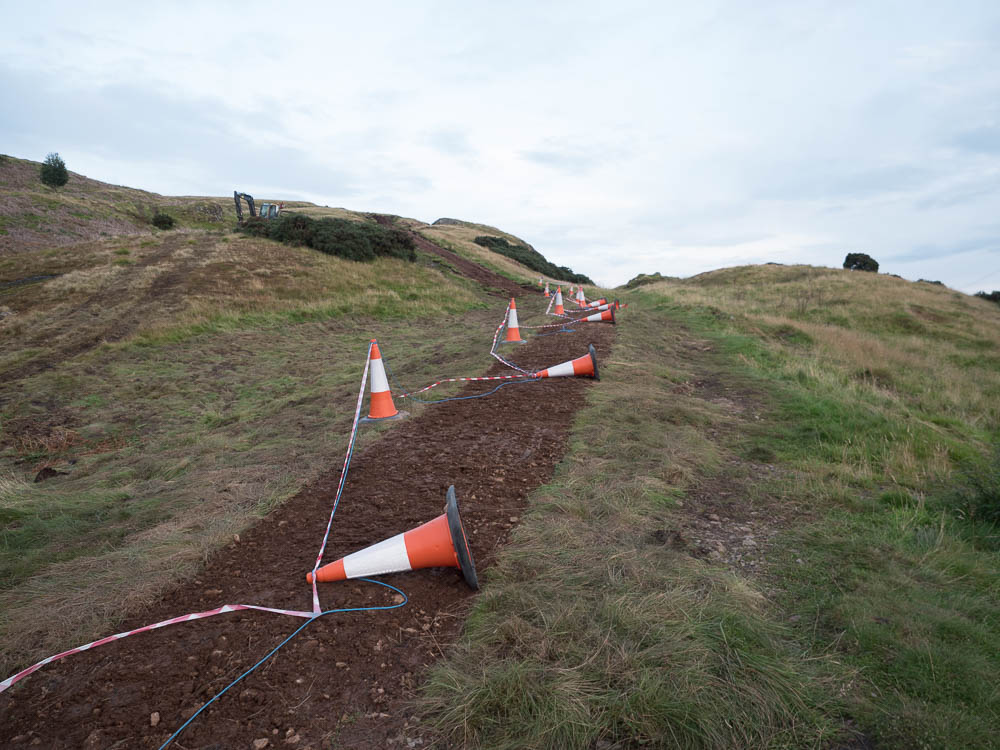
x=348 y=679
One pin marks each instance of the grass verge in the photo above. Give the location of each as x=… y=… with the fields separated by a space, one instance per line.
x=872 y=618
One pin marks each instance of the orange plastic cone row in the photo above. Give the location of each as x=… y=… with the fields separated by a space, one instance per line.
x=559 y=303
x=605 y=316
x=585 y=366
x=440 y=543
x=513 y=334
x=381 y=406
x=547 y=289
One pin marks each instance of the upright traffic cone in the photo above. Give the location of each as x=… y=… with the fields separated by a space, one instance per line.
x=513 y=334
x=585 y=366
x=381 y=406
x=580 y=299
x=605 y=316
x=539 y=281
x=559 y=305
x=547 y=289
x=618 y=305
x=440 y=543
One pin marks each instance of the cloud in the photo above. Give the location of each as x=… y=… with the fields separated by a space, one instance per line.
x=985 y=140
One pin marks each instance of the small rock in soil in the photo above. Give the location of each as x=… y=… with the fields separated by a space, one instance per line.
x=154 y=718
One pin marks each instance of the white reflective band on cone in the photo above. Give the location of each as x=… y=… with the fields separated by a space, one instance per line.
x=379 y=381
x=388 y=556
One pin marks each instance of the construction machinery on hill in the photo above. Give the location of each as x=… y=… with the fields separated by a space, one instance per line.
x=267 y=210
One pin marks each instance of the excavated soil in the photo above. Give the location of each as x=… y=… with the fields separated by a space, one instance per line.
x=348 y=679
x=493 y=283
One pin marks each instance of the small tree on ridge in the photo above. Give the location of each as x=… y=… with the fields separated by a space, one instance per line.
x=53 y=171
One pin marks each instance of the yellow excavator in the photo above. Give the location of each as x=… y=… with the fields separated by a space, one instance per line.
x=267 y=210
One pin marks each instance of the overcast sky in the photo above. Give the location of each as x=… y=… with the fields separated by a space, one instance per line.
x=615 y=137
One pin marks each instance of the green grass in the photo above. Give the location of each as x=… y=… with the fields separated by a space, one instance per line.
x=591 y=629
x=876 y=611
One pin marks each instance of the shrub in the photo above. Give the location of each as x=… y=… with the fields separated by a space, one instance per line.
x=993 y=296
x=162 y=220
x=342 y=238
x=860 y=262
x=53 y=171
x=528 y=256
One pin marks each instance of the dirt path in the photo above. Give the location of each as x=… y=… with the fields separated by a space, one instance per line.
x=347 y=679
x=492 y=282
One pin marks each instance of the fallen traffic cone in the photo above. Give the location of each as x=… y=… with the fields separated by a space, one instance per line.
x=547 y=289
x=513 y=334
x=381 y=406
x=597 y=302
x=559 y=305
x=605 y=316
x=440 y=543
x=585 y=366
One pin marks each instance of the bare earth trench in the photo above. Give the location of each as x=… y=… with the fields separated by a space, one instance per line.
x=348 y=679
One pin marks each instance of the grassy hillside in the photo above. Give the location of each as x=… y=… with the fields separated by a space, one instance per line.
x=181 y=383
x=777 y=528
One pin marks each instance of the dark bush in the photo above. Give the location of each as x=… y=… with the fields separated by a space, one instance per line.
x=353 y=240
x=53 y=171
x=163 y=221
x=928 y=281
x=993 y=296
x=860 y=262
x=528 y=256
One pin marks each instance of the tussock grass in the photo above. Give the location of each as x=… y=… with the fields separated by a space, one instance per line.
x=591 y=630
x=884 y=409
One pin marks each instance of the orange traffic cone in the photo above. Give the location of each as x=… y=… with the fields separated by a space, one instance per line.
x=579 y=367
x=547 y=289
x=513 y=334
x=381 y=406
x=559 y=304
x=438 y=543
x=580 y=299
x=597 y=302
x=618 y=305
x=605 y=316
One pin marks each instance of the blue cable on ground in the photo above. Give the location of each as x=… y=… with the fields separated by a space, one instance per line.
x=553 y=333
x=275 y=650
